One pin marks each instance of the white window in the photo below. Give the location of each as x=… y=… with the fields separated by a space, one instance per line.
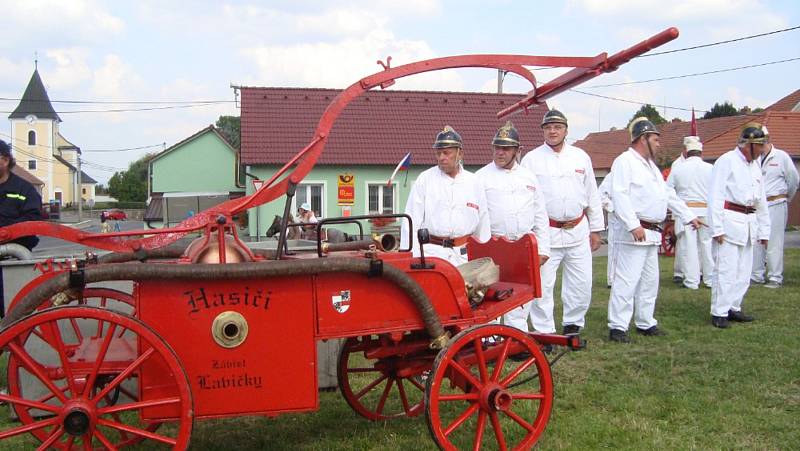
x=380 y=199
x=311 y=193
x=31 y=165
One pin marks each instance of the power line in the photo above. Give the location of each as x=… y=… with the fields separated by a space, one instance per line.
x=122 y=102
x=719 y=42
x=124 y=149
x=692 y=75
x=637 y=102
x=123 y=110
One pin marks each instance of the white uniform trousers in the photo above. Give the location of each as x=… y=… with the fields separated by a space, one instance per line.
x=576 y=287
x=679 y=264
x=611 y=245
x=778 y=215
x=732 y=266
x=635 y=286
x=455 y=255
x=697 y=244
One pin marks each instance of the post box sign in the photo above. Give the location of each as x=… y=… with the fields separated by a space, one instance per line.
x=347 y=189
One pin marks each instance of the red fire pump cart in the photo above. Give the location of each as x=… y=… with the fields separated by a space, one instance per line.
x=201 y=333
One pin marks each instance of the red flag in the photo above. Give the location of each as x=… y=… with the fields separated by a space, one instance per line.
x=694 y=124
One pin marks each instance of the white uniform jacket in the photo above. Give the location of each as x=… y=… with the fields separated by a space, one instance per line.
x=604 y=190
x=516 y=206
x=780 y=175
x=639 y=193
x=735 y=180
x=569 y=188
x=690 y=181
x=449 y=207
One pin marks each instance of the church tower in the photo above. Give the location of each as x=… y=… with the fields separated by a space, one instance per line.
x=34 y=139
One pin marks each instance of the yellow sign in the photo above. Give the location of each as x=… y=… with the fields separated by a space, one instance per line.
x=347 y=189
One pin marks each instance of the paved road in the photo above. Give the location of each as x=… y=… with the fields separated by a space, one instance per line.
x=54 y=247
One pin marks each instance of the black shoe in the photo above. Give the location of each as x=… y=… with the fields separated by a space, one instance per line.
x=571 y=329
x=720 y=322
x=520 y=356
x=651 y=332
x=677 y=279
x=620 y=336
x=739 y=317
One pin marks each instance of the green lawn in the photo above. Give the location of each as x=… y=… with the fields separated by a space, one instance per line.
x=697 y=388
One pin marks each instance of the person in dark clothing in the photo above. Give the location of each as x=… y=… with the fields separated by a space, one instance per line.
x=19 y=201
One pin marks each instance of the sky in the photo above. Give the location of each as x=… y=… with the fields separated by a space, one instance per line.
x=176 y=53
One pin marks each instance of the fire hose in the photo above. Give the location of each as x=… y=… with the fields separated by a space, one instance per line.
x=249 y=270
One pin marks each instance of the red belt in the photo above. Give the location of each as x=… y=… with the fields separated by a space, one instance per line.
x=566 y=224
x=739 y=208
x=650 y=225
x=449 y=242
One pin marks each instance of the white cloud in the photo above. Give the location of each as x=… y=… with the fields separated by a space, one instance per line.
x=115 y=79
x=71 y=68
x=85 y=18
x=339 y=64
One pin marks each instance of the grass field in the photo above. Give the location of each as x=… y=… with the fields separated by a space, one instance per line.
x=697 y=388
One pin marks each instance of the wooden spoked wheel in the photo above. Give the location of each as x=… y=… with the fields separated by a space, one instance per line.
x=81 y=367
x=477 y=397
x=668 y=239
x=379 y=389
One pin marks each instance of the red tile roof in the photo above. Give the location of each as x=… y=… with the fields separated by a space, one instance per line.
x=784 y=132
x=788 y=103
x=377 y=128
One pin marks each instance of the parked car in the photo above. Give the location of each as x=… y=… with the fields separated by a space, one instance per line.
x=115 y=214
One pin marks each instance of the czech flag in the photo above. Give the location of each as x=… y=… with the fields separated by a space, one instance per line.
x=404 y=164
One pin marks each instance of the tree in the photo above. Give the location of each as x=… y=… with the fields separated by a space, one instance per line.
x=131 y=185
x=725 y=109
x=231 y=129
x=650 y=112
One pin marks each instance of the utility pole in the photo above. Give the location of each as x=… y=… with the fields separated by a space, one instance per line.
x=78 y=189
x=501 y=74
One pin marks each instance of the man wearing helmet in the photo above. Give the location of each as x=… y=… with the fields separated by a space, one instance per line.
x=690 y=181
x=641 y=197
x=780 y=185
x=738 y=218
x=568 y=186
x=448 y=201
x=515 y=204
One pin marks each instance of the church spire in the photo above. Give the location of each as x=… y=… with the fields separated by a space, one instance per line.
x=35 y=100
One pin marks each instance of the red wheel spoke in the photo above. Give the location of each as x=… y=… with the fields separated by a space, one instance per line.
x=70 y=441
x=125 y=373
x=463 y=371
x=87 y=442
x=123 y=435
x=460 y=397
x=54 y=436
x=28 y=427
x=519 y=420
x=125 y=392
x=101 y=356
x=33 y=404
x=403 y=398
x=513 y=375
x=136 y=431
x=461 y=418
x=137 y=405
x=416 y=384
x=62 y=355
x=34 y=368
x=384 y=396
x=105 y=441
x=369 y=387
x=478 y=345
x=362 y=370
x=76 y=329
x=529 y=396
x=498 y=431
x=476 y=445
x=501 y=361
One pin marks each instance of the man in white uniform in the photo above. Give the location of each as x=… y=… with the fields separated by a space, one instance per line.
x=515 y=205
x=690 y=181
x=448 y=201
x=641 y=197
x=569 y=188
x=679 y=259
x=608 y=205
x=738 y=218
x=780 y=185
